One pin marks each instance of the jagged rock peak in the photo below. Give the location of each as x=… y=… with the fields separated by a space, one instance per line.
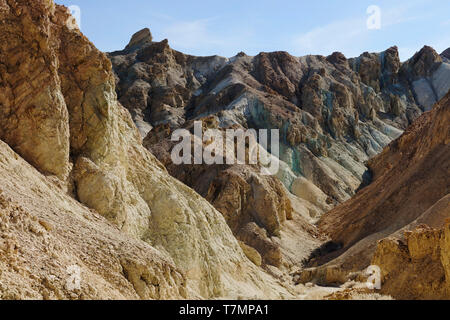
x=393 y=51
x=424 y=60
x=446 y=54
x=427 y=52
x=337 y=58
x=140 y=37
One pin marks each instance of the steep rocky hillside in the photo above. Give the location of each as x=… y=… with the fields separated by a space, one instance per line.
x=43 y=233
x=411 y=189
x=258 y=208
x=89 y=192
x=59 y=112
x=334 y=114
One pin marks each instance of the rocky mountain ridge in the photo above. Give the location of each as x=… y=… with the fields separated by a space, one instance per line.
x=88 y=188
x=399 y=222
x=59 y=112
x=334 y=114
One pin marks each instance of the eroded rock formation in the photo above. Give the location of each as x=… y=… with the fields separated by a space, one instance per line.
x=410 y=190
x=79 y=189
x=334 y=114
x=59 y=111
x=44 y=233
x=254 y=205
x=421 y=259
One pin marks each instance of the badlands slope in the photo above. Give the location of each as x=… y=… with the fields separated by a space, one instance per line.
x=334 y=115
x=86 y=182
x=60 y=114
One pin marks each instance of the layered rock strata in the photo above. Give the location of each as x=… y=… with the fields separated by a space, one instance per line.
x=59 y=111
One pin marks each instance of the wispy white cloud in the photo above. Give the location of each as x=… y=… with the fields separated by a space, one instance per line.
x=350 y=35
x=191 y=34
x=331 y=37
x=407 y=52
x=201 y=37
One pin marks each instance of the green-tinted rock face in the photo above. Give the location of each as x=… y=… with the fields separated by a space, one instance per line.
x=320 y=104
x=333 y=113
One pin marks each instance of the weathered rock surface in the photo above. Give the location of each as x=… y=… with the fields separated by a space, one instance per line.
x=421 y=259
x=32 y=120
x=446 y=55
x=140 y=37
x=428 y=76
x=334 y=113
x=78 y=188
x=43 y=233
x=255 y=206
x=59 y=110
x=411 y=188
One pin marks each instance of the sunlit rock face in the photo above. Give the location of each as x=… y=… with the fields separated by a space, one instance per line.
x=48 y=238
x=59 y=111
x=400 y=221
x=333 y=113
x=421 y=257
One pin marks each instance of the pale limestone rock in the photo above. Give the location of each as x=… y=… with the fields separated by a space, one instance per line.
x=251 y=253
x=43 y=232
x=306 y=190
x=113 y=174
x=424 y=92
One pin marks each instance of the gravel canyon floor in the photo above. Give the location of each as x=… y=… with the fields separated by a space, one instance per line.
x=88 y=185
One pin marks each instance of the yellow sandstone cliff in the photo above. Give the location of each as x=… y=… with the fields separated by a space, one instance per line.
x=59 y=112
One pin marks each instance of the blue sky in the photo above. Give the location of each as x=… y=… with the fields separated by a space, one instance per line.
x=201 y=27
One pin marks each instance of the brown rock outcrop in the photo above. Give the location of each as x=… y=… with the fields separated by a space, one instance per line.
x=334 y=113
x=59 y=104
x=255 y=206
x=423 y=63
x=44 y=233
x=421 y=260
x=140 y=37
x=410 y=188
x=33 y=121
